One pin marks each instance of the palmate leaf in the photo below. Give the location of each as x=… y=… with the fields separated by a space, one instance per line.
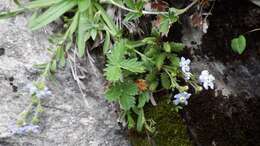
x=51 y=14
x=132 y=65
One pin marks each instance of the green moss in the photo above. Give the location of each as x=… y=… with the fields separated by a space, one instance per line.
x=170 y=129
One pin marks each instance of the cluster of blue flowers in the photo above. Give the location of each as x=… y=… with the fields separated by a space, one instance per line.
x=205 y=79
x=40 y=93
x=24 y=129
x=185 y=67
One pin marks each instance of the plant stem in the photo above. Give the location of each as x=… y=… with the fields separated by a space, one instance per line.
x=179 y=11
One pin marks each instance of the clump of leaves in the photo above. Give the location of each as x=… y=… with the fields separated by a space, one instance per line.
x=135 y=69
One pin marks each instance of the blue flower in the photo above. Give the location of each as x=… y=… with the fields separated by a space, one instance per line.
x=45 y=92
x=181 y=98
x=184 y=64
x=25 y=129
x=206 y=79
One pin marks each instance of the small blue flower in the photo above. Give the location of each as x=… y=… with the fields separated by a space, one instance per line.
x=206 y=79
x=39 y=93
x=181 y=98
x=25 y=129
x=184 y=64
x=43 y=93
x=187 y=76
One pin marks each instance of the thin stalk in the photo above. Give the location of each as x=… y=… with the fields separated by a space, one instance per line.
x=179 y=12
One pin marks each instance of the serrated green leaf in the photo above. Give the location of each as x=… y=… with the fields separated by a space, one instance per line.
x=83 y=5
x=165 y=81
x=132 y=65
x=142 y=99
x=159 y=60
x=113 y=73
x=113 y=93
x=129 y=88
x=117 y=53
x=175 y=61
x=53 y=13
x=126 y=102
x=238 y=44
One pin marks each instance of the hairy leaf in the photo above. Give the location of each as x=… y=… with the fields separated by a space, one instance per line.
x=142 y=99
x=126 y=102
x=113 y=93
x=113 y=73
x=129 y=88
x=117 y=54
x=132 y=65
x=159 y=60
x=165 y=81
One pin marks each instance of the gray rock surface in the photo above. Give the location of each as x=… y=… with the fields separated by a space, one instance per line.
x=69 y=120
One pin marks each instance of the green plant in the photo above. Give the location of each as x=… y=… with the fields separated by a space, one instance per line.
x=135 y=69
x=238 y=44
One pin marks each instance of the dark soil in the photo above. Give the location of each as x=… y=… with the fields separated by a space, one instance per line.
x=235 y=120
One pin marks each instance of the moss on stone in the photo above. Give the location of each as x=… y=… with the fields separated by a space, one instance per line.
x=170 y=129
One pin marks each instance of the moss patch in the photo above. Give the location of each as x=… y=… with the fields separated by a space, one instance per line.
x=170 y=129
